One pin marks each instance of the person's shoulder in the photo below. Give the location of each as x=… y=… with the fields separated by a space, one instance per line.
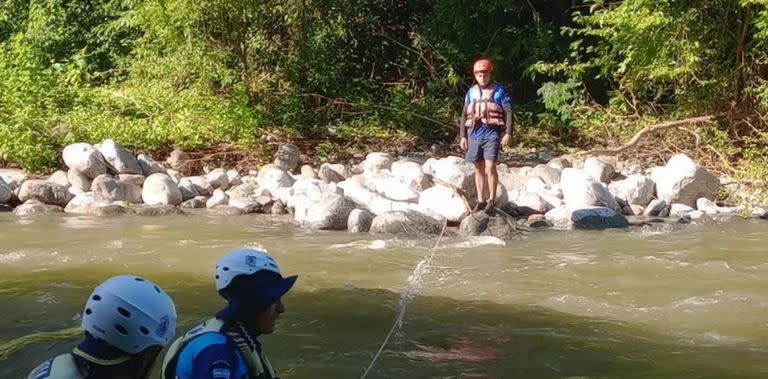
x=204 y=340
x=500 y=87
x=45 y=370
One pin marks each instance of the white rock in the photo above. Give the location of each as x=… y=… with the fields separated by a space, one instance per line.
x=410 y=223
x=192 y=186
x=582 y=191
x=332 y=172
x=218 y=198
x=377 y=161
x=680 y=210
x=137 y=180
x=531 y=203
x=656 y=207
x=160 y=189
x=599 y=170
x=392 y=188
x=174 y=175
x=119 y=157
x=233 y=178
x=455 y=171
x=45 y=192
x=218 y=179
x=84 y=158
x=548 y=174
x=13 y=177
x=412 y=174
x=429 y=166
x=635 y=189
x=327 y=211
x=59 y=177
x=559 y=164
x=32 y=207
x=114 y=190
x=535 y=184
x=445 y=202
x=359 y=221
x=308 y=172
x=287 y=157
x=683 y=181
x=149 y=166
x=272 y=178
x=87 y=203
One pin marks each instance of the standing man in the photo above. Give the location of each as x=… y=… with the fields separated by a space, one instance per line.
x=486 y=121
x=127 y=320
x=227 y=345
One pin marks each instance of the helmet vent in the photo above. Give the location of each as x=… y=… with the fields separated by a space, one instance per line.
x=157 y=289
x=217 y=277
x=144 y=330
x=123 y=312
x=138 y=279
x=225 y=268
x=121 y=329
x=88 y=311
x=96 y=297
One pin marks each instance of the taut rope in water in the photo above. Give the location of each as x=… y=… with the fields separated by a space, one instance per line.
x=413 y=288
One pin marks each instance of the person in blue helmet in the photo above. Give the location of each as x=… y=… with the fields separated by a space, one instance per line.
x=127 y=320
x=486 y=123
x=227 y=345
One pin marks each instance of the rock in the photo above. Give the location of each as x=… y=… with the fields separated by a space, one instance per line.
x=177 y=159
x=192 y=186
x=227 y=210
x=376 y=162
x=136 y=180
x=33 y=207
x=218 y=178
x=635 y=189
x=48 y=193
x=679 y=210
x=114 y=190
x=246 y=204
x=475 y=223
x=429 y=166
x=581 y=191
x=158 y=210
x=531 y=203
x=5 y=192
x=637 y=210
x=325 y=211
x=87 y=203
x=278 y=208
x=696 y=217
x=13 y=177
x=548 y=174
x=559 y=164
x=175 y=175
x=149 y=166
x=308 y=172
x=599 y=170
x=244 y=190
x=287 y=157
x=359 y=221
x=160 y=189
x=559 y=218
x=392 y=188
x=408 y=222
x=411 y=173
x=120 y=158
x=537 y=221
x=364 y=198
x=78 y=181
x=597 y=218
x=84 y=158
x=59 y=177
x=655 y=208
x=456 y=172
x=445 y=202
x=634 y=169
x=196 y=202
x=330 y=173
x=683 y=181
x=218 y=198
x=264 y=201
x=233 y=178
x=709 y=207
x=272 y=178
x=515 y=181
x=535 y=185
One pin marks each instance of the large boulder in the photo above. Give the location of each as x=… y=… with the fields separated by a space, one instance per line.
x=326 y=211
x=445 y=202
x=683 y=181
x=5 y=192
x=392 y=188
x=548 y=174
x=218 y=198
x=514 y=180
x=559 y=218
x=148 y=165
x=359 y=221
x=364 y=198
x=33 y=207
x=160 y=189
x=119 y=157
x=84 y=158
x=287 y=157
x=272 y=178
x=78 y=181
x=87 y=203
x=531 y=203
x=192 y=186
x=456 y=172
x=599 y=170
x=598 y=218
x=581 y=191
x=376 y=162
x=635 y=189
x=475 y=223
x=408 y=222
x=656 y=207
x=59 y=177
x=218 y=178
x=13 y=177
x=412 y=174
x=48 y=193
x=115 y=190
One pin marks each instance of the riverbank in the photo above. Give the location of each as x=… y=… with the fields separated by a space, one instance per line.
x=384 y=193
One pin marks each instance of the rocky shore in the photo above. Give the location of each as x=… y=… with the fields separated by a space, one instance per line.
x=382 y=194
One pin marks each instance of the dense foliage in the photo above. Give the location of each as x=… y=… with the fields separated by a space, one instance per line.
x=156 y=73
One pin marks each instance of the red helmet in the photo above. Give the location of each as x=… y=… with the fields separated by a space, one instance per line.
x=482 y=64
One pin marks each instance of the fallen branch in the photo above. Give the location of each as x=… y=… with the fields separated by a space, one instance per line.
x=650 y=128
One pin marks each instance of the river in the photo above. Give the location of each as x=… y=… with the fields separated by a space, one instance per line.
x=659 y=301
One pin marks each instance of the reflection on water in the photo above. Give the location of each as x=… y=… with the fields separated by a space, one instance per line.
x=680 y=303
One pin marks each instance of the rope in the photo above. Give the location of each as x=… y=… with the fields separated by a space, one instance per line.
x=409 y=294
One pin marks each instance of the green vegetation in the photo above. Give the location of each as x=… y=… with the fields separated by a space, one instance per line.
x=157 y=73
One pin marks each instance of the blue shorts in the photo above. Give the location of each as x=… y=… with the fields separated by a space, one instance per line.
x=479 y=150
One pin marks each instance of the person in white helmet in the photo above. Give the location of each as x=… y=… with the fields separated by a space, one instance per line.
x=227 y=346
x=127 y=320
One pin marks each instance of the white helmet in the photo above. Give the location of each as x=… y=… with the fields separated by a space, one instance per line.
x=130 y=313
x=242 y=261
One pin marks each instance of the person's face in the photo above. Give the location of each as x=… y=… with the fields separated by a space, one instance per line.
x=266 y=321
x=483 y=78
